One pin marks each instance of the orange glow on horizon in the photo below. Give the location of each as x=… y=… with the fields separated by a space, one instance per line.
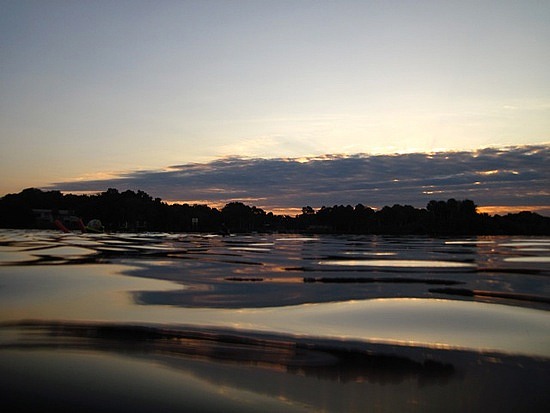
x=291 y=211
x=211 y=204
x=294 y=211
x=513 y=209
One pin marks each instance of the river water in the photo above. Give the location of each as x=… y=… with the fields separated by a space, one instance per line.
x=276 y=322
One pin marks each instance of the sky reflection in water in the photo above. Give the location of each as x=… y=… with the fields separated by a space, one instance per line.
x=486 y=294
x=185 y=279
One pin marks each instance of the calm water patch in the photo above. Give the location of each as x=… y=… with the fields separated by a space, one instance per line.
x=528 y=259
x=398 y=263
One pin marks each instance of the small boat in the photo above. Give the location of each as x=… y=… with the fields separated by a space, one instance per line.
x=94 y=226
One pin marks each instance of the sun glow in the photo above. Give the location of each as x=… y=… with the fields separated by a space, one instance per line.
x=512 y=209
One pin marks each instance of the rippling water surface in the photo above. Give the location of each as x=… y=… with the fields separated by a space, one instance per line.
x=274 y=322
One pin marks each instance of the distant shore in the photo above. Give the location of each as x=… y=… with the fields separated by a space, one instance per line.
x=131 y=211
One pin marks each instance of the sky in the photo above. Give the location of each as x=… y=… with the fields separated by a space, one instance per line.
x=278 y=103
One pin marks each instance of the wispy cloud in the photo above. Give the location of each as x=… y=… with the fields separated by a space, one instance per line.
x=512 y=176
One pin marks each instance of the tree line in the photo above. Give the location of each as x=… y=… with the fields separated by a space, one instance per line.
x=138 y=211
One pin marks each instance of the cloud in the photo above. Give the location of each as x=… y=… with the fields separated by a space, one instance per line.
x=511 y=176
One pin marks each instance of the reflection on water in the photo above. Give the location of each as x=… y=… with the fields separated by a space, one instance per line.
x=528 y=259
x=398 y=263
x=109 y=367
x=408 y=323
x=103 y=381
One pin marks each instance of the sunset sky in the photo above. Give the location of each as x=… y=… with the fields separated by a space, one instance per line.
x=279 y=103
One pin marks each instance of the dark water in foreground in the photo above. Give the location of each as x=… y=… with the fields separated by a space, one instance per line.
x=176 y=322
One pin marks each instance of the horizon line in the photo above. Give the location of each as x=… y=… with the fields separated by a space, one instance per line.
x=491 y=210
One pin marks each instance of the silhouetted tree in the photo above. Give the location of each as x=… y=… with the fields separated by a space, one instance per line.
x=137 y=211
x=238 y=217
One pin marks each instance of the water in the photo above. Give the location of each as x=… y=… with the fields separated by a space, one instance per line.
x=273 y=322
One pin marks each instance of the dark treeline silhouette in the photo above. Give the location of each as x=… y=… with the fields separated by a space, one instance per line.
x=137 y=211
